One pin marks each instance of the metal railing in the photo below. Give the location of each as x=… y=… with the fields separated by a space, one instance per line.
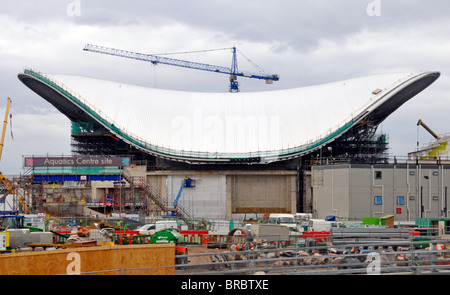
x=315 y=260
x=155 y=195
x=377 y=258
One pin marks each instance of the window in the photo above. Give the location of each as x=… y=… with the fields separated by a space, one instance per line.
x=377 y=174
x=378 y=200
x=400 y=200
x=412 y=173
x=411 y=198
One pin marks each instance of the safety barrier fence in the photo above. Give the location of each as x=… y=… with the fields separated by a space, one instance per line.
x=135 y=238
x=379 y=259
x=376 y=258
x=194 y=237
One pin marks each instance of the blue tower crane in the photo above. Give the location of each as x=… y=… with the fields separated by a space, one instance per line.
x=233 y=71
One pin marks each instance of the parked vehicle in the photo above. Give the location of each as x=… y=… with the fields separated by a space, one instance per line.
x=323 y=225
x=299 y=217
x=152 y=228
x=283 y=219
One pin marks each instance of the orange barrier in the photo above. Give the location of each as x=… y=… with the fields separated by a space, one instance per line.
x=195 y=237
x=218 y=239
x=125 y=238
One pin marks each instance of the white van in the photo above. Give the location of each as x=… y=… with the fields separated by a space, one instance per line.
x=322 y=225
x=150 y=229
x=302 y=216
x=283 y=219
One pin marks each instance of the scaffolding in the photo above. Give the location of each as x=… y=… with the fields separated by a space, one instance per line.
x=89 y=139
x=361 y=144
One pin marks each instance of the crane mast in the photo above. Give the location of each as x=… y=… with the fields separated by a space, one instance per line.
x=154 y=59
x=421 y=123
x=5 y=122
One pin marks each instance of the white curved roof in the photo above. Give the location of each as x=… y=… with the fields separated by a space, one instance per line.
x=269 y=124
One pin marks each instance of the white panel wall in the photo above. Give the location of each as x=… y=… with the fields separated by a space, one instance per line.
x=207 y=199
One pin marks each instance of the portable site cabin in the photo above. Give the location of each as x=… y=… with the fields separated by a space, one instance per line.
x=435 y=226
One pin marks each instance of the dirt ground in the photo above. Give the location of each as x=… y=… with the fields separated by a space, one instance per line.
x=202 y=249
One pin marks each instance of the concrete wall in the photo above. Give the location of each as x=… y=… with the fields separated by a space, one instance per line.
x=264 y=193
x=330 y=192
x=207 y=199
x=220 y=194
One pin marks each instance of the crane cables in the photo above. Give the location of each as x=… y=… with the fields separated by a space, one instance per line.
x=194 y=51
x=216 y=49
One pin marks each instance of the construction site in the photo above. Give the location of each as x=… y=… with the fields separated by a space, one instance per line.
x=257 y=183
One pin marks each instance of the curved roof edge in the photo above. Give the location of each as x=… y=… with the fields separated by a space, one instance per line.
x=76 y=109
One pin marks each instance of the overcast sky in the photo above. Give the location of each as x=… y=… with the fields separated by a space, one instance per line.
x=305 y=42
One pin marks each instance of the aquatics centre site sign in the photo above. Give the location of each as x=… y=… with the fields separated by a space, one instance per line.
x=81 y=161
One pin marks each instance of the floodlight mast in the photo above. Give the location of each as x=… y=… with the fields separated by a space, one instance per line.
x=154 y=59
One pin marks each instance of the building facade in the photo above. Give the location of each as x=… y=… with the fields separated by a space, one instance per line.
x=245 y=151
x=354 y=191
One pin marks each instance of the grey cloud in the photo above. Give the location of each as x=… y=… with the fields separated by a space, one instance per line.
x=306 y=42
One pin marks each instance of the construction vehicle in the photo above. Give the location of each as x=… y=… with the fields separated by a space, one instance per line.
x=187 y=182
x=421 y=123
x=19 y=235
x=5 y=122
x=8 y=186
x=10 y=189
x=232 y=71
x=16 y=221
x=250 y=220
x=172 y=236
x=283 y=219
x=152 y=228
x=11 y=222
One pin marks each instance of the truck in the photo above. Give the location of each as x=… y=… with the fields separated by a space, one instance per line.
x=19 y=235
x=323 y=225
x=152 y=228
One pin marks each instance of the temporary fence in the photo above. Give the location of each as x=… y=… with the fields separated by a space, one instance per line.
x=212 y=240
x=380 y=258
x=195 y=237
x=135 y=238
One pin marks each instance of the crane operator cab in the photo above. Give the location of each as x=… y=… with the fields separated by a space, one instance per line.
x=11 y=222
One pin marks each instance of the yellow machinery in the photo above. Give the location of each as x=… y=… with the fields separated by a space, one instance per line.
x=4 y=126
x=421 y=123
x=9 y=187
x=251 y=220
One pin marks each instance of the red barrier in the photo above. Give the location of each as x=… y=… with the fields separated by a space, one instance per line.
x=64 y=232
x=134 y=232
x=316 y=235
x=414 y=234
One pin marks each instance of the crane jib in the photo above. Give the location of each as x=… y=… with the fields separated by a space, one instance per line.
x=174 y=62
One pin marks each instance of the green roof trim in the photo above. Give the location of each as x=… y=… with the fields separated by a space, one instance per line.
x=171 y=153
